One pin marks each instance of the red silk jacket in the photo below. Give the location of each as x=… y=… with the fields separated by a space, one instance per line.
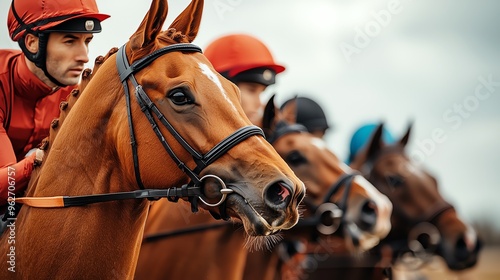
x=27 y=107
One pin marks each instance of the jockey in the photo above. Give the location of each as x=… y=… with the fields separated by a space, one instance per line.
x=54 y=38
x=311 y=115
x=247 y=62
x=362 y=137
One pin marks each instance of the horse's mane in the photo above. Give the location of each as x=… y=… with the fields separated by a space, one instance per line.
x=65 y=107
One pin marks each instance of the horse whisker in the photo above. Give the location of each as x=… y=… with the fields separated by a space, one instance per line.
x=258 y=243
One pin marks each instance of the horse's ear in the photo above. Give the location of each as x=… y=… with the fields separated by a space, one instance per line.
x=150 y=26
x=406 y=137
x=375 y=142
x=289 y=111
x=269 y=116
x=188 y=22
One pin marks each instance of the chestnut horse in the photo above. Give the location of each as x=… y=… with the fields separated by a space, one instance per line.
x=217 y=251
x=110 y=149
x=424 y=224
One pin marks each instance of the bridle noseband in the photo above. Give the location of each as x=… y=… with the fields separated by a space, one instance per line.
x=192 y=190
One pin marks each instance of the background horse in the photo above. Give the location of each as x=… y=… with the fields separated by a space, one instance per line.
x=418 y=203
x=365 y=210
x=220 y=253
x=92 y=155
x=423 y=222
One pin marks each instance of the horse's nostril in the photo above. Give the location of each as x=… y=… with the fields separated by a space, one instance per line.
x=278 y=196
x=368 y=217
x=425 y=240
x=461 y=251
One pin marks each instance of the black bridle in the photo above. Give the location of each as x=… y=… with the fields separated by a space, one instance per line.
x=327 y=216
x=192 y=190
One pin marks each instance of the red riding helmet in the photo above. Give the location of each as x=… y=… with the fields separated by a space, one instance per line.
x=41 y=15
x=243 y=58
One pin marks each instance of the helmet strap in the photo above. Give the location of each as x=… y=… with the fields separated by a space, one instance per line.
x=40 y=57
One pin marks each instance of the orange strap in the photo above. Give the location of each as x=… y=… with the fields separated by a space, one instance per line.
x=43 y=202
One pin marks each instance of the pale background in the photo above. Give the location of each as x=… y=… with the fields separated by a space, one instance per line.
x=424 y=60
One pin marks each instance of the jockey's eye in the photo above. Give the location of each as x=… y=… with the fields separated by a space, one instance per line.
x=179 y=97
x=295 y=158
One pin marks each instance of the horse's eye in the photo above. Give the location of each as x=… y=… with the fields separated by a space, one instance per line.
x=295 y=158
x=179 y=97
x=395 y=181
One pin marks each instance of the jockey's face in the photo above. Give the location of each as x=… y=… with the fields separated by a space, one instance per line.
x=318 y=133
x=66 y=55
x=250 y=100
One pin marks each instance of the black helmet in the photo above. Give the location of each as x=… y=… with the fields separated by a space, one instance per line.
x=309 y=114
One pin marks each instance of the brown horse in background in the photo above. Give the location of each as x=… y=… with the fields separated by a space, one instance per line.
x=424 y=224
x=419 y=207
x=218 y=252
x=91 y=156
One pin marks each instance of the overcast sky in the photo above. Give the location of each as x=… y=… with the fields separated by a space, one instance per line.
x=434 y=62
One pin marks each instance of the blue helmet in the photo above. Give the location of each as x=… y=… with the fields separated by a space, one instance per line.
x=362 y=136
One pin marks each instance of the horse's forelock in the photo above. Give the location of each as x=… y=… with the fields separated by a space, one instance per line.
x=173 y=36
x=166 y=38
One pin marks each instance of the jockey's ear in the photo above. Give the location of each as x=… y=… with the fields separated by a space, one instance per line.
x=31 y=43
x=188 y=22
x=150 y=26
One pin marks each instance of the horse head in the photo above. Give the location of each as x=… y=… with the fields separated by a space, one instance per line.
x=200 y=113
x=421 y=215
x=364 y=212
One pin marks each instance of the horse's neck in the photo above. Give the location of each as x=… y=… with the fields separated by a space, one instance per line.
x=64 y=109
x=82 y=161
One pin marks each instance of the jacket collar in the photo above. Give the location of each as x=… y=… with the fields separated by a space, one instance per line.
x=28 y=85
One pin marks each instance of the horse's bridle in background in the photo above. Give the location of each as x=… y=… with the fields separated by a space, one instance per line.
x=327 y=209
x=328 y=216
x=192 y=190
